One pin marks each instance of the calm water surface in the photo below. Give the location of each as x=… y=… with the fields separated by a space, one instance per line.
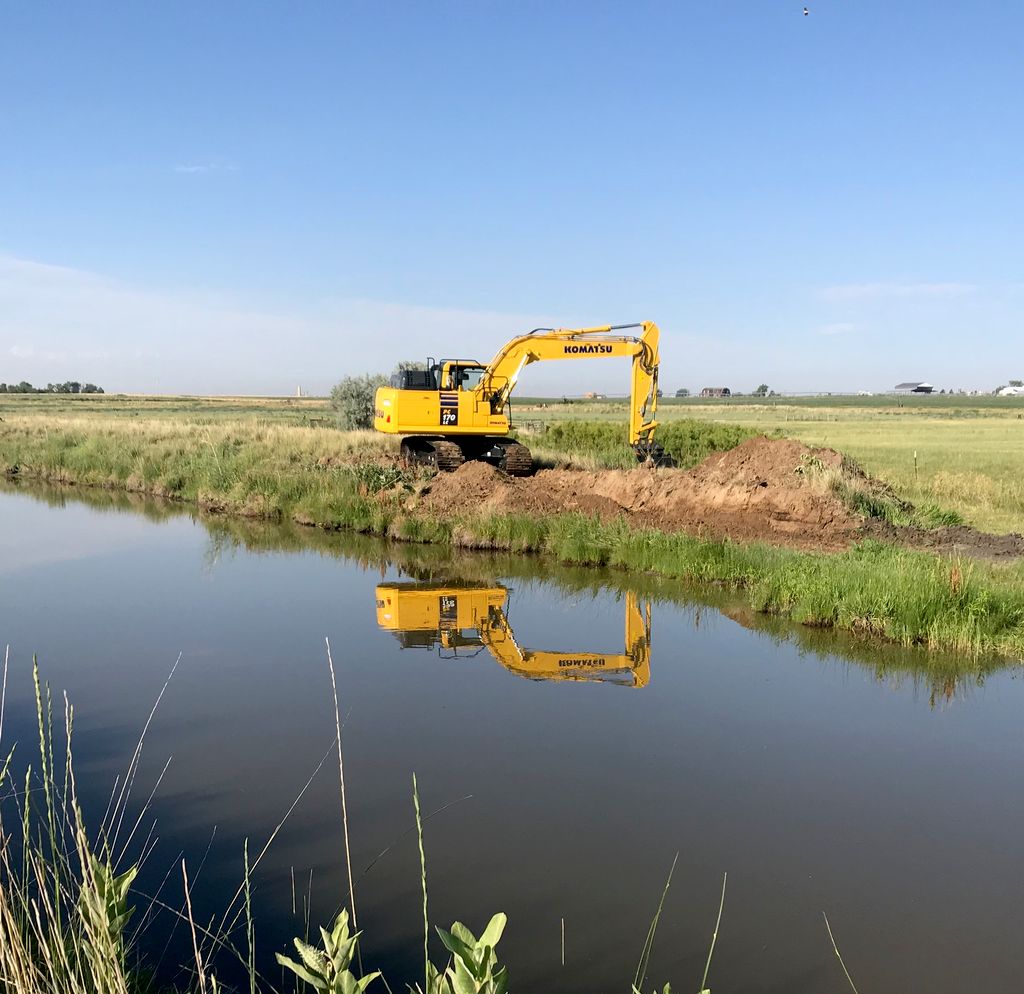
x=821 y=775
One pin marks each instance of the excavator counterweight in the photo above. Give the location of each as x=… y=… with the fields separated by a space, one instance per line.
x=459 y=409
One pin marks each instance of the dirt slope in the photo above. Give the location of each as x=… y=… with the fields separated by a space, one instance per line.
x=769 y=490
x=757 y=491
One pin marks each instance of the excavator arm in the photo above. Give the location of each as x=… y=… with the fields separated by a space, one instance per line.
x=631 y=668
x=543 y=344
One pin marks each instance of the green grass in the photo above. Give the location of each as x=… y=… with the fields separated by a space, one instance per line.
x=870 y=500
x=603 y=445
x=277 y=410
x=243 y=467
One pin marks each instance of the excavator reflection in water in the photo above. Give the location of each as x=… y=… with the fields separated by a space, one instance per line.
x=453 y=617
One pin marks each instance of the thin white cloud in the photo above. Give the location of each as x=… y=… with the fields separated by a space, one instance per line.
x=194 y=168
x=28 y=352
x=60 y=356
x=837 y=328
x=881 y=291
x=58 y=323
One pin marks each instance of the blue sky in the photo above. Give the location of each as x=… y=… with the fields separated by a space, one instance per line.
x=243 y=197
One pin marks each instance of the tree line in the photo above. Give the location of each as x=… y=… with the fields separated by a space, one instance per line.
x=70 y=386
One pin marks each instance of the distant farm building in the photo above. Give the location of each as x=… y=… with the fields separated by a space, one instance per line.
x=716 y=392
x=914 y=388
x=1011 y=392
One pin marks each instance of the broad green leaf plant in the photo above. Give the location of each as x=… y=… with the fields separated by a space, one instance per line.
x=474 y=967
x=327 y=970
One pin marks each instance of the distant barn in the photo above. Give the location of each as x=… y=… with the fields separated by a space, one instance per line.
x=716 y=392
x=914 y=388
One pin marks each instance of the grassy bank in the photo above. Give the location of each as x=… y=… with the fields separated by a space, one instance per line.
x=968 y=450
x=338 y=480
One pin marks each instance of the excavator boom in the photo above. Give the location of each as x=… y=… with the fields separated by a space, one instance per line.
x=582 y=343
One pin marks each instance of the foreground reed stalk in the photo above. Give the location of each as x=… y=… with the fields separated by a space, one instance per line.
x=341 y=780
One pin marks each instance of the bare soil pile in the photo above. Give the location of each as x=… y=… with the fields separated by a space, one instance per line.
x=759 y=491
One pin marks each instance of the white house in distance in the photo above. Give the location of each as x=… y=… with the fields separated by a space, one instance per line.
x=1011 y=392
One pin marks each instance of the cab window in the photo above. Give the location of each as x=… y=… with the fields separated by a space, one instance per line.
x=469 y=377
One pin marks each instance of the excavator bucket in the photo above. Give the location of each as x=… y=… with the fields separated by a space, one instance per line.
x=653 y=454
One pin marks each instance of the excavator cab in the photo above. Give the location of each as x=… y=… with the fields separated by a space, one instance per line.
x=452 y=374
x=465 y=619
x=461 y=374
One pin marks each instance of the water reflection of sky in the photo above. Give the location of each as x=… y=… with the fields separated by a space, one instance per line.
x=76 y=533
x=815 y=784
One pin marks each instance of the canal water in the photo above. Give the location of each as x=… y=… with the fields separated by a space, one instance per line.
x=571 y=732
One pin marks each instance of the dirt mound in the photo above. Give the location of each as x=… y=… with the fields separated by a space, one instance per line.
x=470 y=486
x=763 y=490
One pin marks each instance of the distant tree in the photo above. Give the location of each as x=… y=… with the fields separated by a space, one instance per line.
x=661 y=393
x=1017 y=383
x=69 y=386
x=683 y=392
x=405 y=364
x=762 y=390
x=352 y=400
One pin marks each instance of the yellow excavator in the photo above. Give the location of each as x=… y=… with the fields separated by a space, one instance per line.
x=459 y=409
x=453 y=617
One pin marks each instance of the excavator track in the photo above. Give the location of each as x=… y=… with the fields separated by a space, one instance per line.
x=517 y=460
x=448 y=457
